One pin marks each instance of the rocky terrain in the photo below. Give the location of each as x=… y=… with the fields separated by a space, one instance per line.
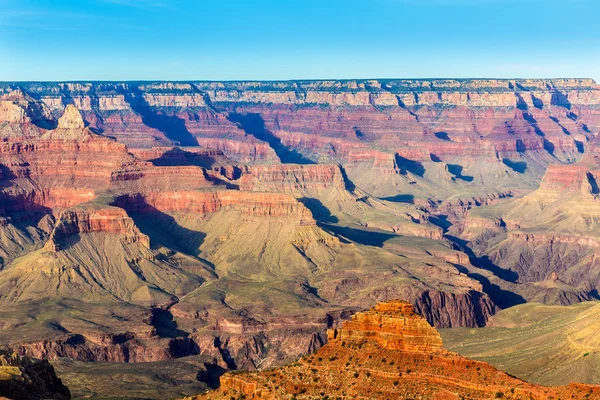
x=26 y=379
x=387 y=352
x=238 y=221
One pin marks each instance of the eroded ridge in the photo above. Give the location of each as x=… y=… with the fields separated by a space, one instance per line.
x=387 y=352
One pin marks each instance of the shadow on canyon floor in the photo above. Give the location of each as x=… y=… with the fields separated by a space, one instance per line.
x=502 y=298
x=172 y=126
x=400 y=198
x=361 y=236
x=318 y=210
x=253 y=124
x=163 y=229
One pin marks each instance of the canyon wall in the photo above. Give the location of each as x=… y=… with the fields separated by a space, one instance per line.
x=343 y=121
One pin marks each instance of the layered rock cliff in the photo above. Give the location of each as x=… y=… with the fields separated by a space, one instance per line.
x=387 y=352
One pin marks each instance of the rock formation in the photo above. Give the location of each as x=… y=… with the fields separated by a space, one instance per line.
x=26 y=379
x=387 y=352
x=71 y=119
x=386 y=330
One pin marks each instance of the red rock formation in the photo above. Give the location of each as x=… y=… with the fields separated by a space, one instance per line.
x=246 y=150
x=44 y=199
x=287 y=178
x=564 y=178
x=109 y=220
x=252 y=204
x=387 y=352
x=382 y=327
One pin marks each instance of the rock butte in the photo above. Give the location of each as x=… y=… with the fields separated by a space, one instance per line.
x=387 y=352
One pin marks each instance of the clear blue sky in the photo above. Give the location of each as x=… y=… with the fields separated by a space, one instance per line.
x=293 y=39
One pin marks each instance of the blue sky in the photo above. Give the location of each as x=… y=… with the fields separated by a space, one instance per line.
x=291 y=39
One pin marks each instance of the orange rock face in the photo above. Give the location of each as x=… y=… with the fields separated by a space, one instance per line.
x=252 y=204
x=383 y=327
x=289 y=177
x=564 y=178
x=388 y=352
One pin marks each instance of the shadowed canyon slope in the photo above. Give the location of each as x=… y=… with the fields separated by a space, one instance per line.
x=387 y=352
x=238 y=221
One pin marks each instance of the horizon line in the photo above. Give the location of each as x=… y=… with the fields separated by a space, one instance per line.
x=292 y=80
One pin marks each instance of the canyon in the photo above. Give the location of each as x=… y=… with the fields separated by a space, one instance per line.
x=236 y=222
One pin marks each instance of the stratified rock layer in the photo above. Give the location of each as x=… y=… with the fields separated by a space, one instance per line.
x=383 y=327
x=242 y=219
x=387 y=352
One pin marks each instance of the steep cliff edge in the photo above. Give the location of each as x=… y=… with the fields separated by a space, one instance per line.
x=387 y=352
x=25 y=379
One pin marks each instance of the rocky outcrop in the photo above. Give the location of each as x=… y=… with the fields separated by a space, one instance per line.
x=43 y=200
x=120 y=348
x=70 y=152
x=383 y=327
x=108 y=220
x=552 y=239
x=445 y=310
x=564 y=178
x=457 y=209
x=13 y=113
x=290 y=178
x=387 y=352
x=245 y=150
x=26 y=379
x=71 y=119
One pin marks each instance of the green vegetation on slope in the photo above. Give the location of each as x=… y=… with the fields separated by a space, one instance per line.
x=550 y=345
